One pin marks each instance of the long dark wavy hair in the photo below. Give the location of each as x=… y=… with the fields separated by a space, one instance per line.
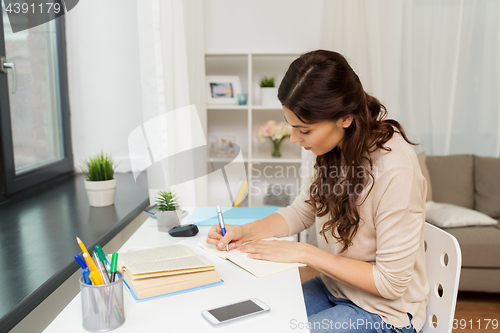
x=321 y=86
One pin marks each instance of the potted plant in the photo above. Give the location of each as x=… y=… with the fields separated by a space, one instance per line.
x=167 y=211
x=100 y=183
x=268 y=92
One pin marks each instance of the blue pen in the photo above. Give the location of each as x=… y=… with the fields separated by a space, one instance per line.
x=86 y=277
x=80 y=261
x=221 y=224
x=86 y=280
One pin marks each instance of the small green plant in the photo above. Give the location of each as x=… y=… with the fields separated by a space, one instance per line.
x=166 y=201
x=267 y=82
x=100 y=167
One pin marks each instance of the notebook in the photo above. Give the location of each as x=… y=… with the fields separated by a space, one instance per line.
x=259 y=268
x=137 y=299
x=203 y=216
x=165 y=270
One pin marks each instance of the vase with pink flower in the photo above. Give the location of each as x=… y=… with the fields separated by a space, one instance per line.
x=276 y=133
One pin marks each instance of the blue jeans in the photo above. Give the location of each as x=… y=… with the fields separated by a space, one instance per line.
x=329 y=314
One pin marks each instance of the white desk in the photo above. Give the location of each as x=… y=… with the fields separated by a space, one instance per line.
x=282 y=292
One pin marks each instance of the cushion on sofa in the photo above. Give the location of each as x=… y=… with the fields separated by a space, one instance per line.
x=425 y=172
x=498 y=224
x=480 y=246
x=452 y=179
x=487 y=181
x=446 y=215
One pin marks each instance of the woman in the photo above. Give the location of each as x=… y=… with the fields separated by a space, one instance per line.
x=367 y=198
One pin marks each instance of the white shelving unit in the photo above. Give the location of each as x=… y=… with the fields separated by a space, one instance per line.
x=242 y=121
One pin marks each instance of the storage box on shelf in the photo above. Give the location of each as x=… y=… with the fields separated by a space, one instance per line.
x=242 y=121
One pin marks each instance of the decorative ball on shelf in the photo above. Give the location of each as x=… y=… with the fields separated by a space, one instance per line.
x=276 y=132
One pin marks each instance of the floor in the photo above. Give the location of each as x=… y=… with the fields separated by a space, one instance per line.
x=474 y=311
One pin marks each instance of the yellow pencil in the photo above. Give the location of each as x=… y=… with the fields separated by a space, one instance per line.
x=98 y=275
x=241 y=193
x=88 y=260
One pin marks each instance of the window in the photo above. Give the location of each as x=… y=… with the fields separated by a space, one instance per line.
x=34 y=108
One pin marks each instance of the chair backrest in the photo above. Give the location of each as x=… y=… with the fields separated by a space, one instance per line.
x=443 y=262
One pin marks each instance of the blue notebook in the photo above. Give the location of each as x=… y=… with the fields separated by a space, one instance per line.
x=232 y=215
x=214 y=284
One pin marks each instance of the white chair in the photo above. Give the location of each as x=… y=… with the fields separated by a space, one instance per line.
x=444 y=260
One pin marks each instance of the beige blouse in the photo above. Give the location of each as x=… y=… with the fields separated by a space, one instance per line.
x=390 y=236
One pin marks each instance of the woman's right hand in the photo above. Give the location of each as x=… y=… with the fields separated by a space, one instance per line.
x=234 y=236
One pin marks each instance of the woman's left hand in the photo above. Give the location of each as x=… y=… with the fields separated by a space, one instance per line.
x=275 y=250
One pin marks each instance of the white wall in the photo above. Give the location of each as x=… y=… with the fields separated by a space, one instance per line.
x=103 y=58
x=103 y=75
x=263 y=25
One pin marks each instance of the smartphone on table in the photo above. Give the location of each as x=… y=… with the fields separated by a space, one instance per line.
x=235 y=311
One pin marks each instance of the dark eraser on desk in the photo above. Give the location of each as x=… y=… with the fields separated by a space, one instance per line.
x=187 y=230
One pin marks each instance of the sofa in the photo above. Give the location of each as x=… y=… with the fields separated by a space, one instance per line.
x=472 y=182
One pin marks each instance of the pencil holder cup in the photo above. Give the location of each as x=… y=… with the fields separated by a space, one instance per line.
x=102 y=305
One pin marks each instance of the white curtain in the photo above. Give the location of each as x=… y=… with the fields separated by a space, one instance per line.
x=435 y=65
x=172 y=78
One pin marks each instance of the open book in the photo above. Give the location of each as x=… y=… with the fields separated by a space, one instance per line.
x=166 y=269
x=259 y=268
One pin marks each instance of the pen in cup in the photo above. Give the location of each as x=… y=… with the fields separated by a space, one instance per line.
x=94 y=277
x=114 y=262
x=93 y=272
x=222 y=225
x=88 y=260
x=102 y=258
x=81 y=261
x=112 y=270
x=86 y=277
x=107 y=292
x=101 y=270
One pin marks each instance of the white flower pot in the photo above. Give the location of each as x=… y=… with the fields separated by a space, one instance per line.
x=167 y=220
x=101 y=193
x=269 y=96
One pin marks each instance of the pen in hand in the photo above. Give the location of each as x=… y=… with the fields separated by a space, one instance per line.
x=221 y=225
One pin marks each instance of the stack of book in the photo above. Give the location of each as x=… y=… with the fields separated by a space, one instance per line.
x=164 y=270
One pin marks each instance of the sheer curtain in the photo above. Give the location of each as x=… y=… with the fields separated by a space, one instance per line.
x=172 y=80
x=434 y=64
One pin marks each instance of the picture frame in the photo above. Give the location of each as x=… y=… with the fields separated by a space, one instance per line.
x=222 y=146
x=223 y=90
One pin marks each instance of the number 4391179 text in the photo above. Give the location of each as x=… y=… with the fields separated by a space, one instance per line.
x=41 y=8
